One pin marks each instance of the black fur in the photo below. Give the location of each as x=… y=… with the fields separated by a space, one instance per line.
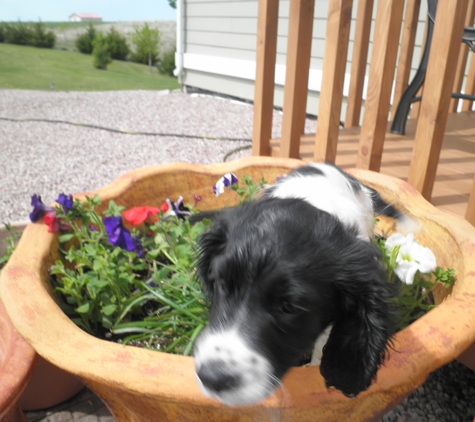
x=295 y=269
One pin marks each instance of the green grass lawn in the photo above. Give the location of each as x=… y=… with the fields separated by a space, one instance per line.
x=36 y=68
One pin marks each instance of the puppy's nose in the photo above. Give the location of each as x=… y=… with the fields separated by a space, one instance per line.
x=216 y=378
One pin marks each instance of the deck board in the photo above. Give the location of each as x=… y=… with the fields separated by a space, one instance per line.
x=455 y=172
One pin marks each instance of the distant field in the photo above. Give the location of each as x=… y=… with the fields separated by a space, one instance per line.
x=36 y=68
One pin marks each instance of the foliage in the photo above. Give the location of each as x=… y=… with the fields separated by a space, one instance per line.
x=146 y=41
x=172 y=3
x=250 y=190
x=3 y=27
x=19 y=34
x=30 y=68
x=11 y=241
x=413 y=300
x=107 y=290
x=119 y=49
x=42 y=38
x=34 y=35
x=166 y=64
x=85 y=40
x=101 y=52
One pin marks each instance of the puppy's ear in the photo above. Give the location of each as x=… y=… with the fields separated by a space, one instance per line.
x=362 y=330
x=210 y=244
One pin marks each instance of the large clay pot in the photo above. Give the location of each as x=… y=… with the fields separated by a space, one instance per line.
x=27 y=381
x=141 y=385
x=17 y=360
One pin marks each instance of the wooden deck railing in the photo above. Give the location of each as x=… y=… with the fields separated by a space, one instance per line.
x=395 y=26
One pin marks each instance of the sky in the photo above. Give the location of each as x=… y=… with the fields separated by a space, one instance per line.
x=110 y=10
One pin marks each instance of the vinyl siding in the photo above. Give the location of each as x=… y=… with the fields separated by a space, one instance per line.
x=222 y=31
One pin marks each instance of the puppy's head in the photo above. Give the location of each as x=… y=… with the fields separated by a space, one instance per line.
x=276 y=273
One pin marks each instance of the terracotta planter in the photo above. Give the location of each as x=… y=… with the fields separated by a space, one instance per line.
x=141 y=385
x=17 y=360
x=28 y=382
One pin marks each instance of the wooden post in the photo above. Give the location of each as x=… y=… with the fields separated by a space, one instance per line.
x=334 y=65
x=381 y=75
x=358 y=62
x=299 y=43
x=268 y=15
x=446 y=43
x=411 y=19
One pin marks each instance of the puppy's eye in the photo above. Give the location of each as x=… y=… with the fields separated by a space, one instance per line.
x=287 y=307
x=220 y=284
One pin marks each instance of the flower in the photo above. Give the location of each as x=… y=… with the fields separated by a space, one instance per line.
x=227 y=181
x=51 y=221
x=66 y=202
x=178 y=208
x=39 y=209
x=119 y=236
x=411 y=257
x=138 y=215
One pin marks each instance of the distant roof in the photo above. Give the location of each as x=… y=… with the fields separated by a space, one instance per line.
x=87 y=15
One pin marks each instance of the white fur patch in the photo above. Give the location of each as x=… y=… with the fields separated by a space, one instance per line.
x=333 y=193
x=228 y=349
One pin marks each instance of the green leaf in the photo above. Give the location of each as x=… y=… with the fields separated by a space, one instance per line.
x=84 y=308
x=65 y=238
x=109 y=309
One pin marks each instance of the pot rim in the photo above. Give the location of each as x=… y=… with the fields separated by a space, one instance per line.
x=172 y=377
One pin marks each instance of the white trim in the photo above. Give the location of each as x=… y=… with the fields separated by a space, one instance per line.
x=246 y=69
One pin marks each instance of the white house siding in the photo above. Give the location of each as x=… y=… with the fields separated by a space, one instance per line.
x=220 y=47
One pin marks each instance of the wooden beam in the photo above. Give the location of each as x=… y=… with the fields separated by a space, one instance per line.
x=446 y=43
x=381 y=75
x=268 y=15
x=462 y=59
x=359 y=62
x=334 y=66
x=409 y=29
x=299 y=43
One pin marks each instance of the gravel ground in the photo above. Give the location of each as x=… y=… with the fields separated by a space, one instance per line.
x=48 y=158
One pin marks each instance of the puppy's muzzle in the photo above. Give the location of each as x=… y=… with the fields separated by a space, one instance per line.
x=217 y=377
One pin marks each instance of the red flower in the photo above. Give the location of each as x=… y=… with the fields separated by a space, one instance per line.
x=138 y=215
x=52 y=222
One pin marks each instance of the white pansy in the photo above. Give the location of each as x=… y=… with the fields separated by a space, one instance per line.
x=412 y=257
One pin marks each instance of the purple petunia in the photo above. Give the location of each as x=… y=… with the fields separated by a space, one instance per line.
x=227 y=181
x=120 y=236
x=39 y=209
x=66 y=202
x=178 y=208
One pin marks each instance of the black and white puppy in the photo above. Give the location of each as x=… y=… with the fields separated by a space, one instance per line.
x=281 y=269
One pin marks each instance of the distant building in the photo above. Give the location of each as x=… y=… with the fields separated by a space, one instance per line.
x=85 y=17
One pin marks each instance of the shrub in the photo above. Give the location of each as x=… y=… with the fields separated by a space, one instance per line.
x=167 y=63
x=119 y=48
x=145 y=41
x=2 y=31
x=101 y=52
x=85 y=40
x=42 y=38
x=20 y=34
